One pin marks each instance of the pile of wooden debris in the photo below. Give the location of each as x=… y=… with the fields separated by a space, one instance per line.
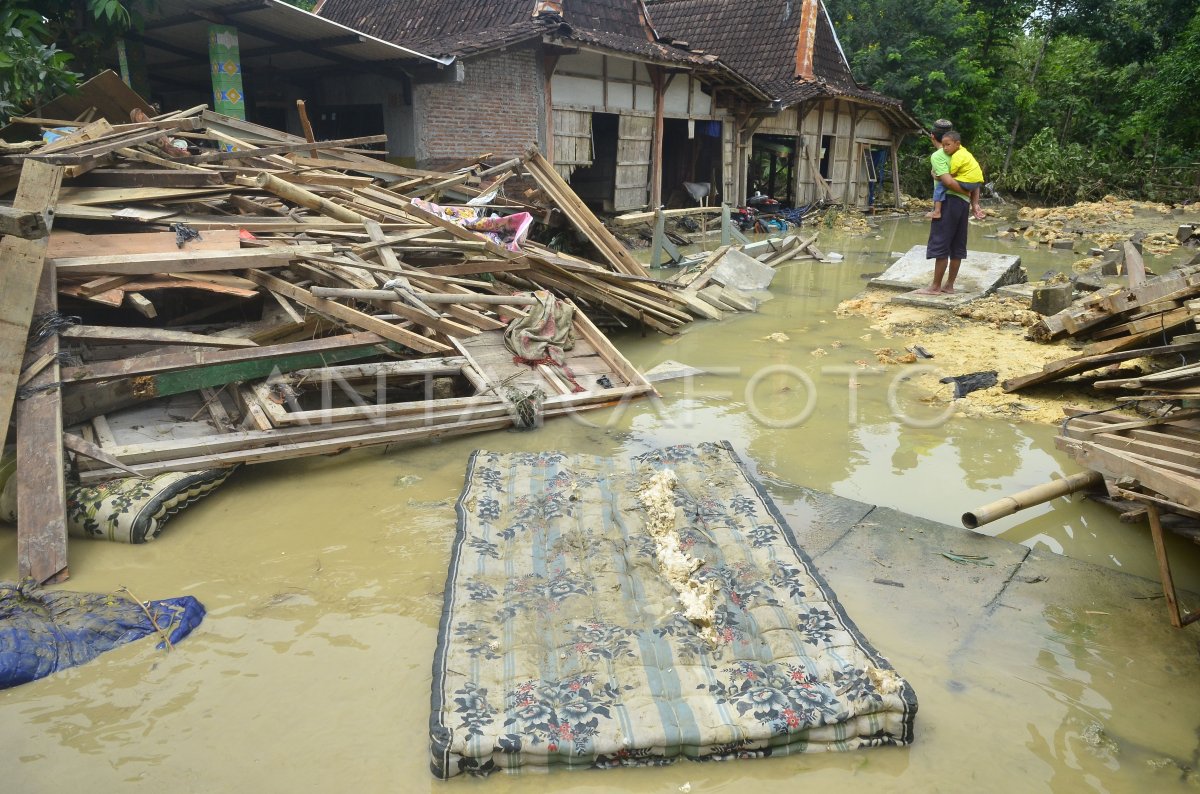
x=1150 y=465
x=228 y=293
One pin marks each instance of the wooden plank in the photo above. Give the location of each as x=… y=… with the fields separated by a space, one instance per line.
x=81 y=446
x=21 y=266
x=100 y=197
x=171 y=362
x=107 y=334
x=1113 y=464
x=286 y=148
x=348 y=315
x=186 y=262
x=633 y=218
x=41 y=483
x=152 y=177
x=307 y=448
x=73 y=244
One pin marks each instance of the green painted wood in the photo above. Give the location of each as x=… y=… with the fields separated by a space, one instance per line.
x=186 y=380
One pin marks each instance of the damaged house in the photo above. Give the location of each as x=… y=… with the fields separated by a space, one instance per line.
x=629 y=112
x=828 y=138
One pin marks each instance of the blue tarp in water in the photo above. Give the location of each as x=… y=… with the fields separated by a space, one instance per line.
x=43 y=631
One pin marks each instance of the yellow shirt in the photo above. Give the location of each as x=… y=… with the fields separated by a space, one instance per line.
x=964 y=167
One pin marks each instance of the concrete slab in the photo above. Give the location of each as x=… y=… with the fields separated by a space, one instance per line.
x=982 y=272
x=897 y=559
x=936 y=301
x=1020 y=650
x=743 y=272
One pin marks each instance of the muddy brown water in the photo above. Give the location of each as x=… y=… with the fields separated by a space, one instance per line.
x=323 y=581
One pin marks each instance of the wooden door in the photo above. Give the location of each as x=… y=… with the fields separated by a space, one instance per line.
x=572 y=141
x=631 y=190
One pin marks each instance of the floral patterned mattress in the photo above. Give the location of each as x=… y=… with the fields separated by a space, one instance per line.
x=563 y=642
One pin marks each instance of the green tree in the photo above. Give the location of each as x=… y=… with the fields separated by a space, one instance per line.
x=1168 y=96
x=48 y=44
x=924 y=52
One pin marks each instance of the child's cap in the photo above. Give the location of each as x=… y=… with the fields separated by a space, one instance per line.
x=942 y=125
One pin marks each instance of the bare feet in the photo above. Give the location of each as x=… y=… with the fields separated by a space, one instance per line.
x=927 y=291
x=947 y=290
x=933 y=216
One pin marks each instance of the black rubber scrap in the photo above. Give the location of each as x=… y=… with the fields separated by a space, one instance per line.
x=965 y=384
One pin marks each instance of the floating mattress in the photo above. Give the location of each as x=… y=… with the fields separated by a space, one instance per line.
x=563 y=639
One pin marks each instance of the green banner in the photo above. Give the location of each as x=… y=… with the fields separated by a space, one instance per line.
x=226 y=64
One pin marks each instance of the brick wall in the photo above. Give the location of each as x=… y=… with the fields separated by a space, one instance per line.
x=497 y=108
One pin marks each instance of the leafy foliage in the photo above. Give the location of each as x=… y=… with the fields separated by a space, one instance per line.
x=48 y=44
x=1094 y=96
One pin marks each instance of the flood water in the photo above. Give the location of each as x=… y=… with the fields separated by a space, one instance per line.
x=323 y=582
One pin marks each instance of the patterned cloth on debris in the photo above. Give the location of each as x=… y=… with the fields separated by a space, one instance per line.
x=508 y=230
x=562 y=644
x=542 y=336
x=43 y=631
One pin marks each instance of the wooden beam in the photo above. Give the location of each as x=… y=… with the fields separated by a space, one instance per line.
x=185 y=262
x=21 y=265
x=27 y=224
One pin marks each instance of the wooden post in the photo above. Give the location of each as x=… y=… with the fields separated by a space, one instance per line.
x=660 y=90
x=549 y=63
x=725 y=225
x=853 y=155
x=1164 y=565
x=305 y=124
x=660 y=235
x=896 y=172
x=21 y=265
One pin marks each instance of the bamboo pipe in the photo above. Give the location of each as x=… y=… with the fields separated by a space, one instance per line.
x=306 y=198
x=389 y=295
x=1030 y=497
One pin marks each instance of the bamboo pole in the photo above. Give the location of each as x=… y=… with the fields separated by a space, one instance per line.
x=1030 y=497
x=306 y=198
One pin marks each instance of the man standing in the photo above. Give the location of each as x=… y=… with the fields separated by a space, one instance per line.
x=947 y=245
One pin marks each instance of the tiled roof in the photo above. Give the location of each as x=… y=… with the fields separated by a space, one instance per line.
x=466 y=27
x=758 y=39
x=427 y=21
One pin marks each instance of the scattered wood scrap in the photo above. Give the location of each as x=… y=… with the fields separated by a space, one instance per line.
x=1127 y=323
x=293 y=297
x=1150 y=462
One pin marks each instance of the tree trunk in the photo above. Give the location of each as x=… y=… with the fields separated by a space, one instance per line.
x=1037 y=65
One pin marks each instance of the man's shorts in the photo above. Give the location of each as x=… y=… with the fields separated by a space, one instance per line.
x=948 y=234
